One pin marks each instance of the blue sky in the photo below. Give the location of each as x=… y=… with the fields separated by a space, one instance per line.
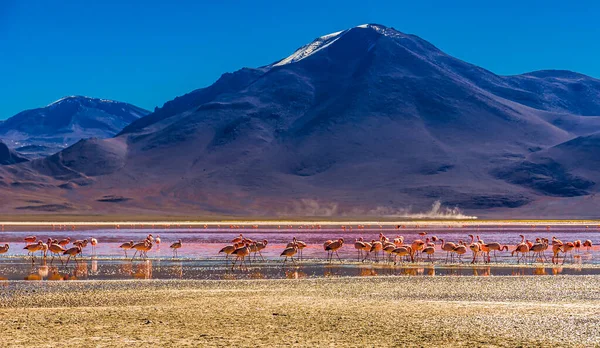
x=148 y=52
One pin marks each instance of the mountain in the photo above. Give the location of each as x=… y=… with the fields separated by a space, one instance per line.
x=9 y=156
x=368 y=121
x=47 y=130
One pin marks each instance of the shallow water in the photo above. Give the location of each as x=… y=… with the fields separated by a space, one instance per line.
x=19 y=269
x=199 y=258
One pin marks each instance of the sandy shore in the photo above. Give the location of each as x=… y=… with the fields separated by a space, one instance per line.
x=385 y=311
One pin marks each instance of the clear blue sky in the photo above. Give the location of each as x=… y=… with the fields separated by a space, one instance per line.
x=147 y=52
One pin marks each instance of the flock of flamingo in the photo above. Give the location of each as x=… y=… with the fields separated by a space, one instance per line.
x=418 y=249
x=383 y=248
x=59 y=248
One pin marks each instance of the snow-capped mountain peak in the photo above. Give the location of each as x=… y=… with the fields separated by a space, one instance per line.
x=325 y=41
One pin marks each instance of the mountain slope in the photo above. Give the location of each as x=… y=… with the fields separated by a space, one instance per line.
x=363 y=122
x=46 y=130
x=9 y=156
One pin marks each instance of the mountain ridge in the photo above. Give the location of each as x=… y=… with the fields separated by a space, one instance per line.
x=61 y=123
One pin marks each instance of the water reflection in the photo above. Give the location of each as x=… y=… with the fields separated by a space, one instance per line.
x=295 y=274
x=94 y=267
x=18 y=269
x=143 y=270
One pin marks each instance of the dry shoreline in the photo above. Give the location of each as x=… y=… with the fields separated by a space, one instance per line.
x=380 y=311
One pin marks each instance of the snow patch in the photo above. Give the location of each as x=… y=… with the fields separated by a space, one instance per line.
x=312 y=48
x=80 y=97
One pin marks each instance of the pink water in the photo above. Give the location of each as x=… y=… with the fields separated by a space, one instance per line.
x=199 y=258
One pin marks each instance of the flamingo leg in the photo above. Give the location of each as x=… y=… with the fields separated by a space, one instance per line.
x=338 y=256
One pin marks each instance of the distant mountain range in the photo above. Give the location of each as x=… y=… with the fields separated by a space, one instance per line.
x=44 y=131
x=367 y=121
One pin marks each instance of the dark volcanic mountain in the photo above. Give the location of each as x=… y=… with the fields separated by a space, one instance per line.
x=46 y=130
x=8 y=156
x=364 y=122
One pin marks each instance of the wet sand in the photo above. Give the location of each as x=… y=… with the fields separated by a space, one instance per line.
x=378 y=311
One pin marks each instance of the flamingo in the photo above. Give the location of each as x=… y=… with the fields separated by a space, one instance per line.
x=241 y=254
x=228 y=250
x=376 y=247
x=334 y=247
x=64 y=242
x=56 y=249
x=568 y=249
x=460 y=250
x=32 y=248
x=93 y=242
x=493 y=246
x=417 y=245
x=238 y=239
x=556 y=248
x=4 y=248
x=72 y=252
x=81 y=243
x=259 y=247
x=577 y=245
x=142 y=248
x=402 y=251
x=359 y=245
x=157 y=240
x=429 y=250
x=587 y=244
x=325 y=245
x=383 y=238
x=44 y=248
x=521 y=248
x=289 y=252
x=389 y=248
x=175 y=246
x=126 y=246
x=475 y=248
x=556 y=241
x=146 y=248
x=448 y=248
x=537 y=249
x=30 y=239
x=299 y=244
